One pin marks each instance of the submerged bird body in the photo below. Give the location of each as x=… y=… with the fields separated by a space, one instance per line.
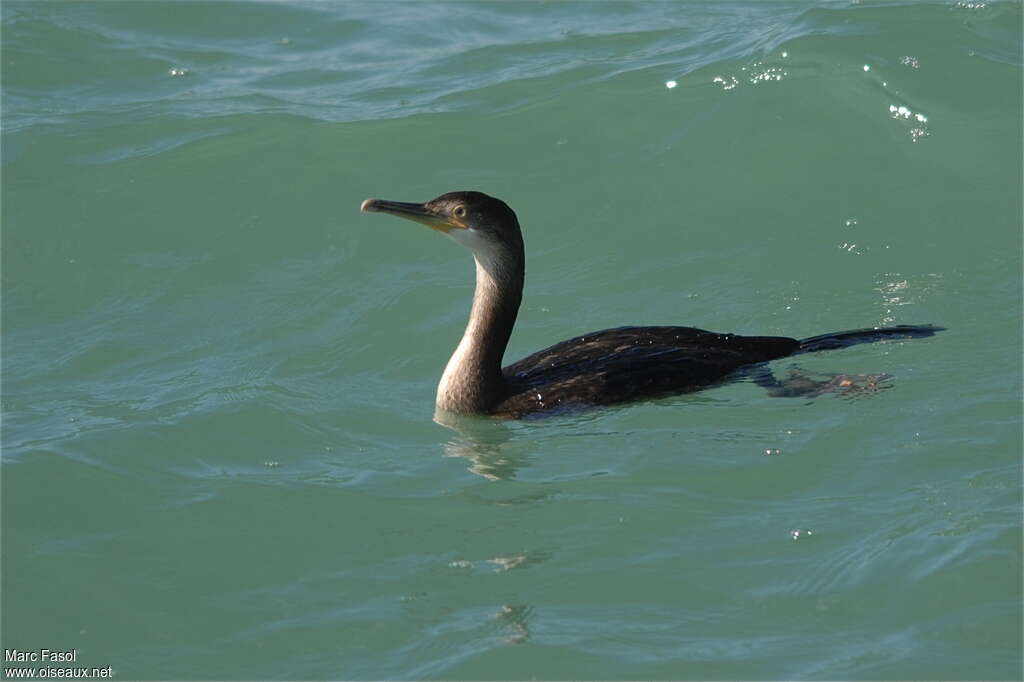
x=601 y=368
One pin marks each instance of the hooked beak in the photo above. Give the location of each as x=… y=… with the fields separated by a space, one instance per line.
x=418 y=212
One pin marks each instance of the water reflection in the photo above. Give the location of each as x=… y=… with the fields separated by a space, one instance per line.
x=482 y=441
x=514 y=619
x=897 y=290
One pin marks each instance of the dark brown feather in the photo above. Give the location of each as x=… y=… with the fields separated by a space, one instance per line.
x=631 y=363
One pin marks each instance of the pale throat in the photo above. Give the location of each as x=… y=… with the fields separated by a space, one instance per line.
x=472 y=381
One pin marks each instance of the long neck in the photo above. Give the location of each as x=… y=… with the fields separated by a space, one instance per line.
x=472 y=382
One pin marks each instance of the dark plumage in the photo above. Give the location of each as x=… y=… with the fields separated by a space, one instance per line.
x=631 y=363
x=605 y=367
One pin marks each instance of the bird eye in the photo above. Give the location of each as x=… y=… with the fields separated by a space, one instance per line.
x=459 y=211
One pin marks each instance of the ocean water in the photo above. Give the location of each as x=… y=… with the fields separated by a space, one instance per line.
x=219 y=459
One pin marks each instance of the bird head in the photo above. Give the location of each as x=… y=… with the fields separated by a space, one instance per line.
x=477 y=221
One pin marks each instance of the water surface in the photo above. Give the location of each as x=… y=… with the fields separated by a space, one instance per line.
x=219 y=459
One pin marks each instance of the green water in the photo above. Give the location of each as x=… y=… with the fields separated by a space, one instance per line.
x=219 y=458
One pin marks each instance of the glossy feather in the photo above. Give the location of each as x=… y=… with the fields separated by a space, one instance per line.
x=631 y=363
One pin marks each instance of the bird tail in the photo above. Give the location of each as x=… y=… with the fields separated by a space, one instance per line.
x=854 y=336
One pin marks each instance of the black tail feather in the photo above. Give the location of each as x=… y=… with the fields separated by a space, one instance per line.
x=854 y=336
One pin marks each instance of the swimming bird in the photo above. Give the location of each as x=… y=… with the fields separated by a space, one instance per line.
x=600 y=368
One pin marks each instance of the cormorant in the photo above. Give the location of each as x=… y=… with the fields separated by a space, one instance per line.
x=601 y=368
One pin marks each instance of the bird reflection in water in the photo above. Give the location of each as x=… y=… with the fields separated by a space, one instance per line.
x=484 y=444
x=515 y=619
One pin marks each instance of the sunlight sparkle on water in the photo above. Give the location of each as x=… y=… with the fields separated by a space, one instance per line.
x=727 y=84
x=903 y=113
x=754 y=73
